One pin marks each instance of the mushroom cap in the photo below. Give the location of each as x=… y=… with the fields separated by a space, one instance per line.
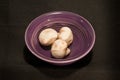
x=66 y=34
x=48 y=36
x=59 y=48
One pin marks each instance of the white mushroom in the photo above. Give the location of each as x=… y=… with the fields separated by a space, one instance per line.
x=59 y=49
x=48 y=36
x=66 y=34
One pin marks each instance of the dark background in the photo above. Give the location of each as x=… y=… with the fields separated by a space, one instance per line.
x=17 y=63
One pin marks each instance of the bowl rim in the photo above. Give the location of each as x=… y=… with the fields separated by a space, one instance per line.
x=66 y=61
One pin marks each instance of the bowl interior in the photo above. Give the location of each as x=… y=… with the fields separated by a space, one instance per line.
x=82 y=32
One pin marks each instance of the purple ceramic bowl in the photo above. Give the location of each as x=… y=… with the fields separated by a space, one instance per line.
x=83 y=32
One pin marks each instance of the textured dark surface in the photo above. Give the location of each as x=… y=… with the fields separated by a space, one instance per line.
x=17 y=63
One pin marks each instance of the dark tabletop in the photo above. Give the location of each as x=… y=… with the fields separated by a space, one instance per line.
x=17 y=63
